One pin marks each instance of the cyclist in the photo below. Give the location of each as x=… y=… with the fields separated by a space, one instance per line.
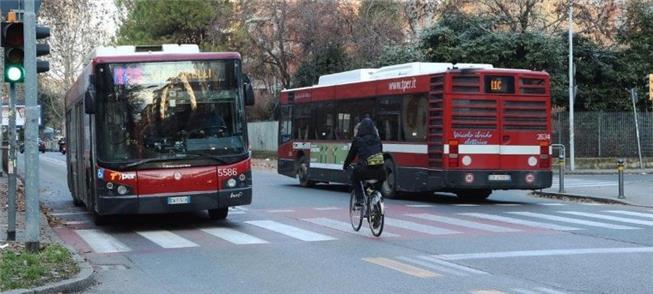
x=366 y=145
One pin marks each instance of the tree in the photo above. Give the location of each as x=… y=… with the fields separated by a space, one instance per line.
x=77 y=26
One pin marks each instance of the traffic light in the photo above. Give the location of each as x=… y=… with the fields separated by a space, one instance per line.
x=42 y=32
x=12 y=41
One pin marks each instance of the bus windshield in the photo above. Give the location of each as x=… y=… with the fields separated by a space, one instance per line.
x=162 y=110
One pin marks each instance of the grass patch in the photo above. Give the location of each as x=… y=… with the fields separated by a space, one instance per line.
x=19 y=269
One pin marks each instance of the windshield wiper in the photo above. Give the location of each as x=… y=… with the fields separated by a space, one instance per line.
x=159 y=159
x=217 y=158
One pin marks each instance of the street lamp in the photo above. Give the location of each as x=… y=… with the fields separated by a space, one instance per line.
x=572 y=163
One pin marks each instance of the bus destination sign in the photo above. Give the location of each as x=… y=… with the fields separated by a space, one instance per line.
x=499 y=84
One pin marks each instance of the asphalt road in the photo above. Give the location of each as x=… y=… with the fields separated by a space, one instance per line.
x=298 y=240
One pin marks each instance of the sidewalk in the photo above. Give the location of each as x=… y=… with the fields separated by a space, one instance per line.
x=604 y=187
x=81 y=281
x=603 y=171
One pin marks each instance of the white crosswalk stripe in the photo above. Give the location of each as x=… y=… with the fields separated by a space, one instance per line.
x=417 y=227
x=631 y=213
x=290 y=231
x=573 y=220
x=341 y=226
x=467 y=205
x=463 y=223
x=609 y=217
x=101 y=242
x=166 y=239
x=233 y=236
x=537 y=290
x=521 y=222
x=551 y=204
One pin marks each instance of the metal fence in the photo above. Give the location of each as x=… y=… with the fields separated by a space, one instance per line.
x=605 y=134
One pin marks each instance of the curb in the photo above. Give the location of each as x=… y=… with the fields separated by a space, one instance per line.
x=585 y=197
x=78 y=283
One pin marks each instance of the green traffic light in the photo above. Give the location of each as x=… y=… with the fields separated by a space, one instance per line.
x=14 y=74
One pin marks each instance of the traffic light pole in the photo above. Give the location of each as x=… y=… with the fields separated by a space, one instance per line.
x=32 y=213
x=11 y=166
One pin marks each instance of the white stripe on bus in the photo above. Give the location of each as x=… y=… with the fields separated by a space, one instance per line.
x=496 y=149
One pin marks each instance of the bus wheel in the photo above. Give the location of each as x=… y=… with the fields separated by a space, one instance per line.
x=302 y=173
x=218 y=213
x=389 y=187
x=474 y=195
x=77 y=202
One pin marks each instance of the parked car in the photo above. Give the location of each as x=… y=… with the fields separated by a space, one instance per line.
x=41 y=146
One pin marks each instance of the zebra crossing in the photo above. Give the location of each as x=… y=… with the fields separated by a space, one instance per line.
x=408 y=225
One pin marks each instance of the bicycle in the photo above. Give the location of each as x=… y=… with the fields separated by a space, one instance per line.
x=372 y=209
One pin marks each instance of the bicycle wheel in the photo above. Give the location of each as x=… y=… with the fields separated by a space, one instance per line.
x=376 y=218
x=355 y=213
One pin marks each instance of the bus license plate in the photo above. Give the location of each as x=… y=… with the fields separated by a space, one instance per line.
x=499 y=177
x=179 y=200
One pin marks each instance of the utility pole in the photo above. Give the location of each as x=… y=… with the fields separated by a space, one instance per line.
x=11 y=165
x=633 y=97
x=32 y=213
x=572 y=162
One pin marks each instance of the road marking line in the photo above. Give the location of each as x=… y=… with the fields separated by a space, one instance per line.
x=552 y=252
x=573 y=220
x=290 y=231
x=233 y=236
x=463 y=223
x=592 y=204
x=280 y=210
x=167 y=239
x=327 y=208
x=549 y=291
x=507 y=204
x=631 y=213
x=402 y=267
x=419 y=205
x=453 y=265
x=101 y=242
x=551 y=204
x=522 y=222
x=436 y=267
x=466 y=205
x=407 y=225
x=483 y=291
x=524 y=291
x=340 y=226
x=69 y=213
x=609 y=217
x=72 y=223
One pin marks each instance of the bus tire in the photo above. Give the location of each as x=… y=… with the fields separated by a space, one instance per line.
x=77 y=202
x=218 y=213
x=302 y=173
x=389 y=187
x=474 y=195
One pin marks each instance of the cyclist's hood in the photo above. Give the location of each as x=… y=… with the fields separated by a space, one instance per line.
x=365 y=128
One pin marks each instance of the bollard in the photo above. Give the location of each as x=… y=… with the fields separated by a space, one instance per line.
x=561 y=174
x=620 y=169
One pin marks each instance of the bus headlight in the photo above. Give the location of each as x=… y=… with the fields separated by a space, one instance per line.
x=109 y=186
x=231 y=183
x=122 y=190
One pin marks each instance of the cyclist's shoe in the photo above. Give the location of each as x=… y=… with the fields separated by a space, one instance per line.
x=359 y=202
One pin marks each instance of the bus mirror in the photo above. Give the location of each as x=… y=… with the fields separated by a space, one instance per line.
x=89 y=100
x=248 y=90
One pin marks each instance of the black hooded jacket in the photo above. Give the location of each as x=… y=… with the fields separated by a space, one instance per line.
x=365 y=144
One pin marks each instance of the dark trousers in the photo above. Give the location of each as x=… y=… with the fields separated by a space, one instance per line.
x=365 y=173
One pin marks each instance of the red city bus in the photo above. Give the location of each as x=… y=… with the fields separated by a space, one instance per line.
x=466 y=128
x=159 y=129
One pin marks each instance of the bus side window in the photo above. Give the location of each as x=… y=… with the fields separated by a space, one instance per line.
x=286 y=124
x=414 y=117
